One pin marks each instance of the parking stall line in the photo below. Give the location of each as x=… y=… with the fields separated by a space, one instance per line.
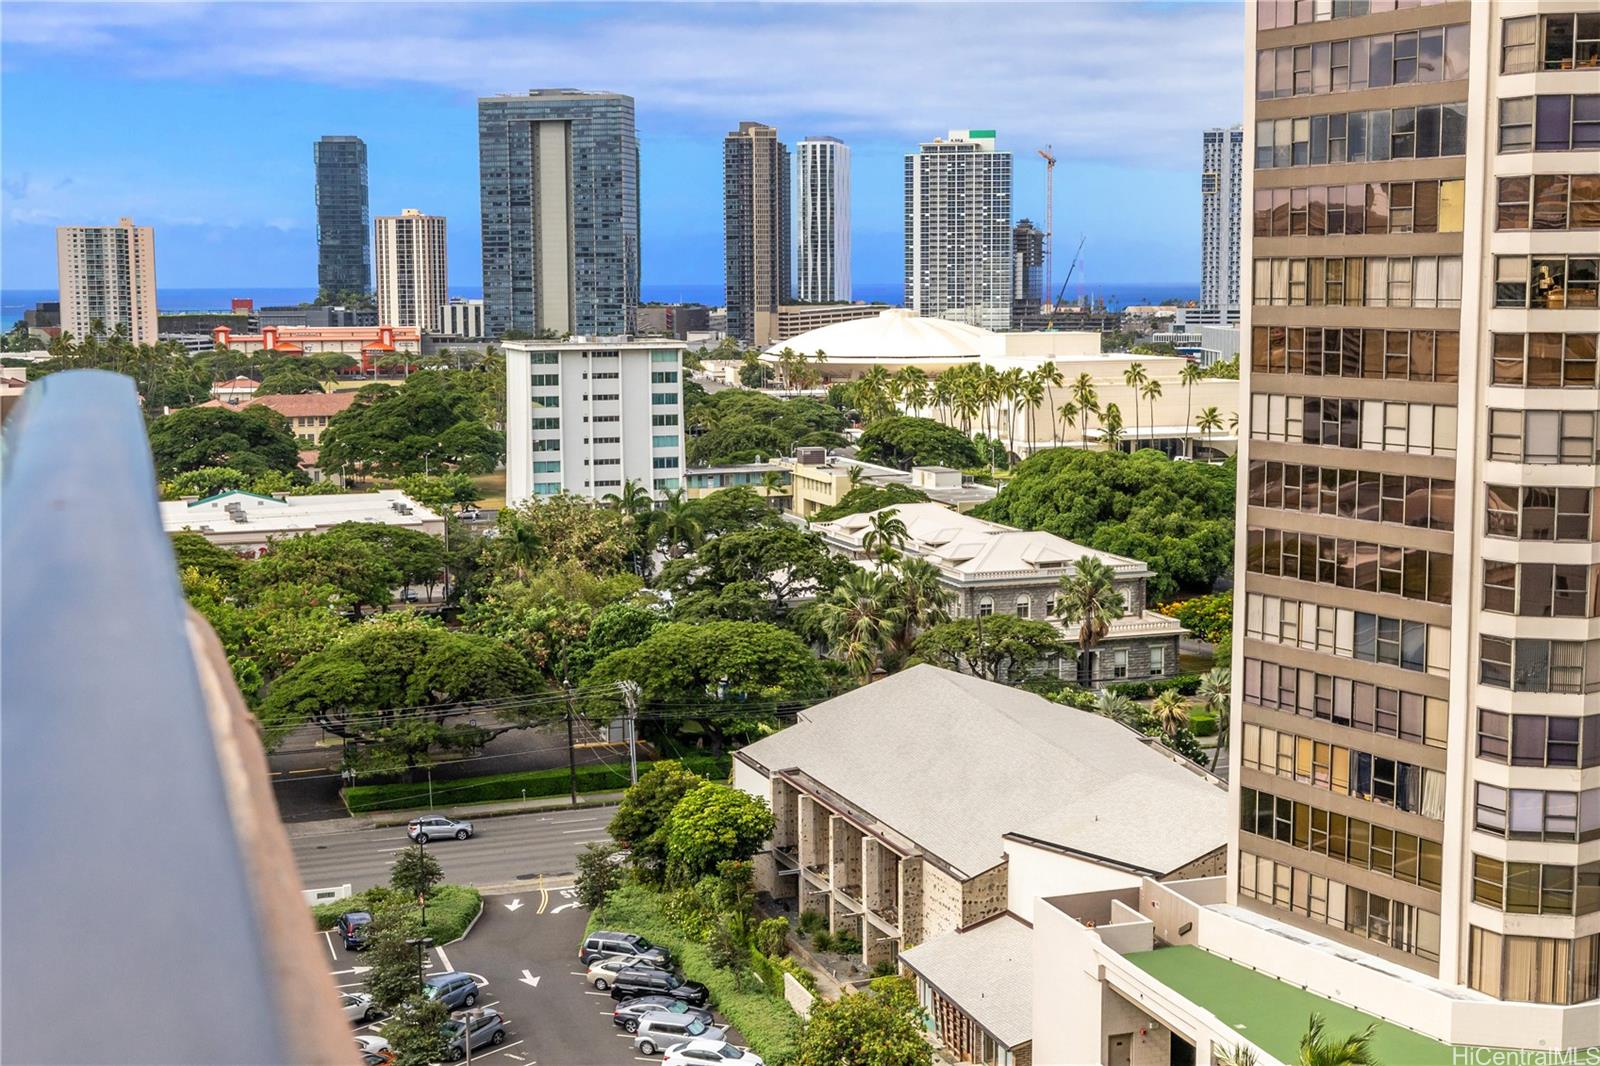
x=444 y=959
x=607 y=995
x=328 y=936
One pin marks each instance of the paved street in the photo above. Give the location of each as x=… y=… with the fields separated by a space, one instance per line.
x=505 y=849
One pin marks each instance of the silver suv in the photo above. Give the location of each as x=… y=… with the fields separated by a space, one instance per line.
x=663 y=1029
x=437 y=827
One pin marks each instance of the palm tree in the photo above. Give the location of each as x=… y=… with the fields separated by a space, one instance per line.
x=1111 y=427
x=855 y=474
x=1209 y=422
x=1171 y=711
x=1240 y=1055
x=860 y=619
x=1187 y=377
x=1069 y=416
x=913 y=382
x=1133 y=377
x=885 y=536
x=923 y=601
x=1032 y=393
x=1087 y=399
x=1049 y=375
x=1151 y=391
x=942 y=392
x=1089 y=600
x=1318 y=1050
x=1216 y=685
x=872 y=393
x=1116 y=706
x=635 y=502
x=966 y=399
x=678 y=524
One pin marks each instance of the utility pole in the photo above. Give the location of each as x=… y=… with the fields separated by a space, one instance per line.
x=572 y=750
x=630 y=698
x=1049 y=223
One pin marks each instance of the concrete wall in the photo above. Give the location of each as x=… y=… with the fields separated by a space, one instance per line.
x=1033 y=872
x=983 y=895
x=941 y=903
x=911 y=901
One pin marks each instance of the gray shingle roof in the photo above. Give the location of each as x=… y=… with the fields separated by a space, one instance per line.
x=953 y=763
x=987 y=971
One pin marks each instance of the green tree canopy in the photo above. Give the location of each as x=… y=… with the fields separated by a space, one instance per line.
x=734 y=510
x=880 y=1027
x=562 y=529
x=337 y=559
x=196 y=552
x=712 y=825
x=289 y=379
x=736 y=425
x=776 y=561
x=865 y=498
x=1009 y=648
x=642 y=815
x=253 y=441
x=436 y=419
x=1177 y=517
x=905 y=441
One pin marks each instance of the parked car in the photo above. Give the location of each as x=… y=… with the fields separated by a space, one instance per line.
x=664 y=1029
x=377 y=1058
x=643 y=981
x=627 y=1014
x=604 y=971
x=481 y=1027
x=436 y=827
x=455 y=990
x=358 y=1006
x=600 y=944
x=352 y=927
x=371 y=1044
x=700 y=1052
x=469 y=514
x=409 y=595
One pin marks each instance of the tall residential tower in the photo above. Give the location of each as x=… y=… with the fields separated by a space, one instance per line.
x=559 y=192
x=1221 y=180
x=958 y=230
x=1027 y=274
x=755 y=212
x=107 y=274
x=413 y=269
x=822 y=167
x=344 y=258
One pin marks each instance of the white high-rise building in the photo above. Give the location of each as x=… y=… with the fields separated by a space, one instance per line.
x=1221 y=179
x=413 y=272
x=588 y=415
x=108 y=274
x=958 y=230
x=461 y=317
x=823 y=181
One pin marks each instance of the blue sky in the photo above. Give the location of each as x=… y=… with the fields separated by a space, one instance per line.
x=198 y=119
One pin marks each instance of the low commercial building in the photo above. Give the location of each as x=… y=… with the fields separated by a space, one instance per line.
x=813 y=480
x=588 y=415
x=924 y=813
x=308 y=413
x=234 y=391
x=797 y=319
x=367 y=346
x=995 y=569
x=318 y=316
x=246 y=522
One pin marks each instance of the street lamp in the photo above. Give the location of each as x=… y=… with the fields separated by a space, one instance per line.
x=423 y=943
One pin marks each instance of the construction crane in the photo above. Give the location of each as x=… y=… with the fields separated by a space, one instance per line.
x=1051 y=324
x=1049 y=217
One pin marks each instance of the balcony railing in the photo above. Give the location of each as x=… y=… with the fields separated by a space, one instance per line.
x=149 y=905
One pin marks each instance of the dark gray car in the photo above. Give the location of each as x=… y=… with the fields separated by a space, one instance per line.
x=454 y=990
x=627 y=1014
x=601 y=944
x=485 y=1027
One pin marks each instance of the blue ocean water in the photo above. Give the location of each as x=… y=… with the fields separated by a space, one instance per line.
x=1116 y=294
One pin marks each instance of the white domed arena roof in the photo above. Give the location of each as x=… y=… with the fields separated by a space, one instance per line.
x=897 y=335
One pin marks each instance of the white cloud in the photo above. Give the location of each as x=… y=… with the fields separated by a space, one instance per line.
x=1116 y=82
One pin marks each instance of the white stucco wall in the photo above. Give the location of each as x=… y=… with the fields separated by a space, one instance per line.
x=1036 y=872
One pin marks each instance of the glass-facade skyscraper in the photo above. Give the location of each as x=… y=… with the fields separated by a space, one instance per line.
x=559 y=193
x=344 y=241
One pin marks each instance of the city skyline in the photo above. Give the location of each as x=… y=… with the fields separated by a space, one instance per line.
x=256 y=226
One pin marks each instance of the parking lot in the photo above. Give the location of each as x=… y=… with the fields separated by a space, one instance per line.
x=523 y=953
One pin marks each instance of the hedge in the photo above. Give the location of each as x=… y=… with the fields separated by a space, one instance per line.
x=359 y=799
x=1186 y=684
x=451 y=909
x=1202 y=723
x=769 y=1024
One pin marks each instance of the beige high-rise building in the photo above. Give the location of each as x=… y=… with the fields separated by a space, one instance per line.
x=108 y=274
x=413 y=269
x=755 y=211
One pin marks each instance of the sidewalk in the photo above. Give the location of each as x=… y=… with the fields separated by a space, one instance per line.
x=493 y=809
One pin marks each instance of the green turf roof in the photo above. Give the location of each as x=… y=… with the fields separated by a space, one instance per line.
x=1273 y=1014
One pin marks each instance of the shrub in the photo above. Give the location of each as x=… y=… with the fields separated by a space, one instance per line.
x=798 y=972
x=772 y=937
x=1202 y=723
x=1209 y=618
x=451 y=909
x=822 y=940
x=599 y=874
x=845 y=944
x=767 y=1022
x=884 y=968
x=812 y=922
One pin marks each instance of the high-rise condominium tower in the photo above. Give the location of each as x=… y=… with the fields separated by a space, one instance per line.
x=755 y=230
x=1027 y=273
x=958 y=230
x=413 y=273
x=344 y=258
x=1221 y=180
x=1417 y=660
x=108 y=274
x=559 y=189
x=822 y=167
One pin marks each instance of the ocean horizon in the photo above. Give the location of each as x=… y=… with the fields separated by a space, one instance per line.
x=1117 y=294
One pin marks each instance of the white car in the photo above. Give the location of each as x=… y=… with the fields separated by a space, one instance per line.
x=604 y=971
x=368 y=1044
x=713 y=1052
x=358 y=1006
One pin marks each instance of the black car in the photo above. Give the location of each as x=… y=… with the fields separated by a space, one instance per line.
x=600 y=944
x=627 y=1014
x=353 y=929
x=638 y=981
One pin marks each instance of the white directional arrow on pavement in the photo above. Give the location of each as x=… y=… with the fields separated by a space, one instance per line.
x=564 y=907
x=529 y=980
x=354 y=970
x=514 y=905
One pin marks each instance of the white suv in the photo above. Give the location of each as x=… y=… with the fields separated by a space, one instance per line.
x=714 y=1052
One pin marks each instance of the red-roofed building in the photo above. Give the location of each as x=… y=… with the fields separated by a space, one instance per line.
x=308 y=413
x=363 y=344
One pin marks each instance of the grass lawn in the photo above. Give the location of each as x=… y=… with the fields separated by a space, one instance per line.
x=528 y=784
x=491 y=489
x=451 y=909
x=1273 y=1014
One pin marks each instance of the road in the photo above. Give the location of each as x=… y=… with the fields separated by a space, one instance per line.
x=518 y=847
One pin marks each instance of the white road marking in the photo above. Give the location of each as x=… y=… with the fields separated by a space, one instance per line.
x=606 y=994
x=328 y=935
x=564 y=907
x=585 y=829
x=514 y=906
x=444 y=960
x=353 y=969
x=575 y=973
x=528 y=979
